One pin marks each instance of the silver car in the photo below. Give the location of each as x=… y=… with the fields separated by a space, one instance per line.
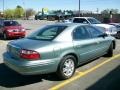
x=58 y=48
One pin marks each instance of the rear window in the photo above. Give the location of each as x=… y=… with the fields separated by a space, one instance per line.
x=48 y=32
x=11 y=23
x=80 y=20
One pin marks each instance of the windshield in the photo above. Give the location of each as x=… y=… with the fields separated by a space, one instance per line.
x=94 y=21
x=11 y=23
x=48 y=32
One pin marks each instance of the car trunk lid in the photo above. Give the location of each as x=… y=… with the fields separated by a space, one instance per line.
x=15 y=47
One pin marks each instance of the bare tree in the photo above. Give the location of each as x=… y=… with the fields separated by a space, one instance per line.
x=107 y=11
x=30 y=12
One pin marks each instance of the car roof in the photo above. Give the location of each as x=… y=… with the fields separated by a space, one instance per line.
x=10 y=21
x=105 y=25
x=83 y=17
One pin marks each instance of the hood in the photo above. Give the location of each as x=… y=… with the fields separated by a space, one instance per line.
x=30 y=44
x=13 y=27
x=104 y=25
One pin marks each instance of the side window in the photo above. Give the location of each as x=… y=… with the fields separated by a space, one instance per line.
x=81 y=33
x=94 y=31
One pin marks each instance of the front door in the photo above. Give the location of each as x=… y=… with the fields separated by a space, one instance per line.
x=84 y=45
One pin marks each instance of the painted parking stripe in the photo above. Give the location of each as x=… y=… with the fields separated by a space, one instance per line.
x=81 y=74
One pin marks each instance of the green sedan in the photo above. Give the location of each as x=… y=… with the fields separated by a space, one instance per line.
x=58 y=48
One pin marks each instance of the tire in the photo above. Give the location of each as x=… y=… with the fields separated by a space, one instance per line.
x=5 y=36
x=66 y=68
x=110 y=51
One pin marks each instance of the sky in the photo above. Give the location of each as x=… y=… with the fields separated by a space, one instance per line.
x=90 y=5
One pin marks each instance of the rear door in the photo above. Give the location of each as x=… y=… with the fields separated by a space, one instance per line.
x=84 y=44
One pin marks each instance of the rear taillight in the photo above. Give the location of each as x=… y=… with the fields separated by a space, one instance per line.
x=29 y=54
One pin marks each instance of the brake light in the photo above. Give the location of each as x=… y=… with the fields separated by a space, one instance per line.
x=29 y=54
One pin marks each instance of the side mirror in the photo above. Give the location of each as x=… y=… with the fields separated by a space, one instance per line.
x=103 y=35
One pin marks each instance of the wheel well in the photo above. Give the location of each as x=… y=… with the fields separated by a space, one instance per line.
x=76 y=57
x=114 y=44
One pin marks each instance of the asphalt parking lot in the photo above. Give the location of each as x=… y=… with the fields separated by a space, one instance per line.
x=100 y=74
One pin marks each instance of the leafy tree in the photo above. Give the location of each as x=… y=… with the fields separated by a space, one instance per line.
x=9 y=13
x=19 y=12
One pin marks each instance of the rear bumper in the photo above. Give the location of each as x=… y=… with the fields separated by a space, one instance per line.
x=31 y=67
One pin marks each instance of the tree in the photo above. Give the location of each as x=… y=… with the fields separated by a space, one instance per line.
x=107 y=11
x=115 y=11
x=30 y=12
x=9 y=13
x=19 y=12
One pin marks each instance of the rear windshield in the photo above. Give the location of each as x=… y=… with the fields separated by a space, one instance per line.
x=11 y=23
x=79 y=20
x=48 y=32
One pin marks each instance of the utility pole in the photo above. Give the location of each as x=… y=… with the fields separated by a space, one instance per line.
x=79 y=8
x=24 y=9
x=3 y=8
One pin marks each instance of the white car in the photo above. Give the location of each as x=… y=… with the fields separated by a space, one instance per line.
x=117 y=25
x=109 y=29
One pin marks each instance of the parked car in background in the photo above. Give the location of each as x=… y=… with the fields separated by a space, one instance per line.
x=109 y=29
x=11 y=29
x=117 y=25
x=58 y=48
x=85 y=20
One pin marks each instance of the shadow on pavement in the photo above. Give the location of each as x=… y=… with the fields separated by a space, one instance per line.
x=9 y=78
x=110 y=82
